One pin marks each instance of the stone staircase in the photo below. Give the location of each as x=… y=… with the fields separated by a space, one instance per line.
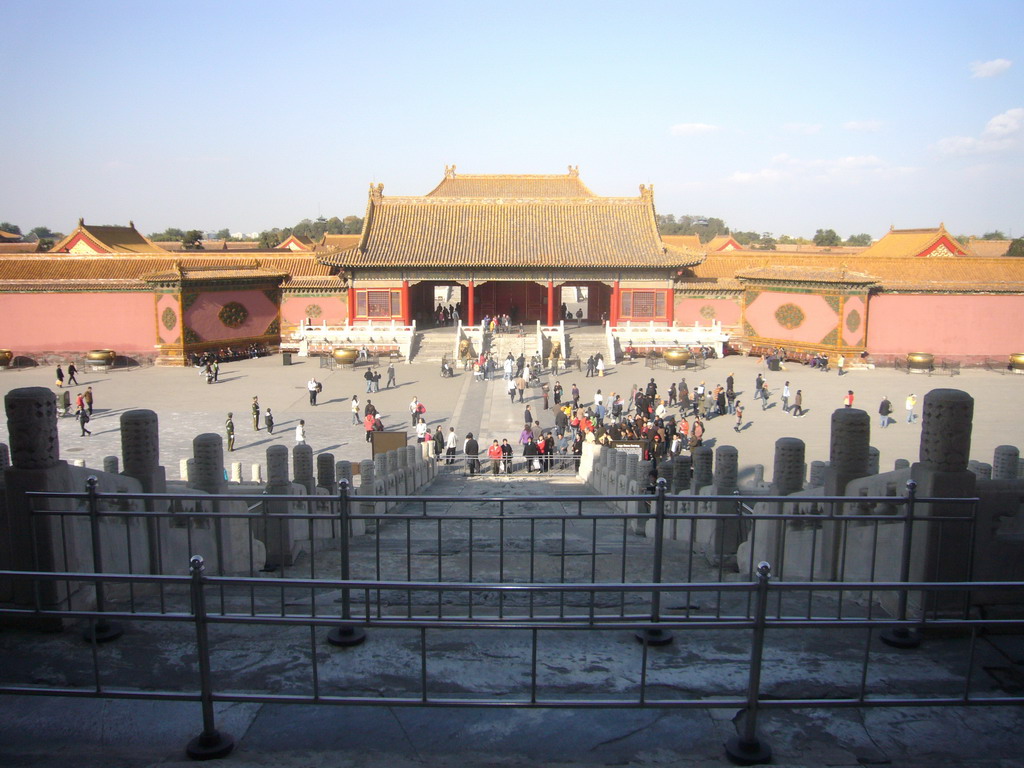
x=586 y=342
x=433 y=345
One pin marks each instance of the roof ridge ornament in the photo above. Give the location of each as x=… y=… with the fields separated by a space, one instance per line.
x=574 y=171
x=376 y=191
x=449 y=171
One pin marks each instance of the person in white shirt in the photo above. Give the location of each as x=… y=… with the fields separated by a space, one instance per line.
x=300 y=433
x=357 y=416
x=314 y=389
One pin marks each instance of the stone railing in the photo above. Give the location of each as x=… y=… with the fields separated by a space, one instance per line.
x=644 y=337
x=378 y=338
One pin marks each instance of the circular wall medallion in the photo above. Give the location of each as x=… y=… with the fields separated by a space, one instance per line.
x=233 y=314
x=707 y=312
x=314 y=310
x=169 y=318
x=789 y=316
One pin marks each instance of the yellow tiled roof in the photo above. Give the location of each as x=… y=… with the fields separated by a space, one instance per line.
x=46 y=268
x=951 y=274
x=338 y=241
x=114 y=239
x=22 y=247
x=521 y=187
x=908 y=242
x=988 y=248
x=719 y=242
x=436 y=231
x=685 y=241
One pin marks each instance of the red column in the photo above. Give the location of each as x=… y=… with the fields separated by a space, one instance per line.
x=405 y=303
x=551 y=303
x=670 y=309
x=351 y=304
x=613 y=316
x=470 y=314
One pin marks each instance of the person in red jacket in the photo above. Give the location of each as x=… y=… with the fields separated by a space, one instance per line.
x=494 y=454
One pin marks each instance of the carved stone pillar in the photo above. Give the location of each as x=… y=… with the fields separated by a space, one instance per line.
x=1005 y=462
x=788 y=475
x=208 y=470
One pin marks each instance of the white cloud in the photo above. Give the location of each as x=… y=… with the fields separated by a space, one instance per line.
x=805 y=129
x=863 y=126
x=692 y=129
x=792 y=170
x=989 y=68
x=1001 y=132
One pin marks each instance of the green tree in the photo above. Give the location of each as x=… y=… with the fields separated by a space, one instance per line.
x=44 y=233
x=192 y=240
x=751 y=239
x=996 y=235
x=271 y=238
x=6 y=226
x=171 y=233
x=1016 y=248
x=861 y=239
x=826 y=237
x=353 y=225
x=223 y=234
x=767 y=242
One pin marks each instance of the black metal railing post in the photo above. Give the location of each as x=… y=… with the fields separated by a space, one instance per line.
x=99 y=630
x=903 y=637
x=346 y=635
x=211 y=744
x=747 y=748
x=657 y=635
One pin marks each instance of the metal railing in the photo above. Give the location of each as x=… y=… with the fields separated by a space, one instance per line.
x=513 y=583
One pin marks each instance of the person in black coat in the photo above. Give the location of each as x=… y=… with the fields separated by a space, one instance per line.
x=472 y=449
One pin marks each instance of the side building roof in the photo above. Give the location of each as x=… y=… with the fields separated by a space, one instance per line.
x=915 y=242
x=91 y=238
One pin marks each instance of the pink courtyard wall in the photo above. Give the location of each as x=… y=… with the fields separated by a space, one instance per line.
x=689 y=311
x=77 y=322
x=947 y=326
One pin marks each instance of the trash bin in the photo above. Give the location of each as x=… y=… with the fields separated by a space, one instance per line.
x=286 y=358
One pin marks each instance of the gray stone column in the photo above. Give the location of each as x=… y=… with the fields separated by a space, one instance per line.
x=849 y=459
x=819 y=470
x=32 y=428
x=681 y=474
x=941 y=550
x=788 y=474
x=1005 y=462
x=703 y=467
x=325 y=477
x=208 y=471
x=302 y=467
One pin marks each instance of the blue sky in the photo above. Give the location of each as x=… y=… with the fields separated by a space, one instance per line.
x=783 y=117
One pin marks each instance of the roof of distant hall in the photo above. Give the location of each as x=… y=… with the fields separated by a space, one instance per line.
x=107 y=239
x=511 y=222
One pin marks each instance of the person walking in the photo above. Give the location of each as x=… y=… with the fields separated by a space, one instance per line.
x=216 y=370
x=83 y=419
x=527 y=415
x=911 y=402
x=314 y=389
x=60 y=377
x=841 y=364
x=785 y=397
x=472 y=449
x=300 y=433
x=356 y=414
x=884 y=409
x=438 y=442
x=510 y=387
x=87 y=398
x=368 y=420
x=255 y=414
x=268 y=419
x=758 y=384
x=65 y=403
x=506 y=455
x=391 y=376
x=229 y=431
x=72 y=371
x=798 y=403
x=765 y=392
x=739 y=416
x=520 y=387
x=848 y=399
x=451 y=446
x=544 y=394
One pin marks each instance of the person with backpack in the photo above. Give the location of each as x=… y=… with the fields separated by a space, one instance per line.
x=83 y=419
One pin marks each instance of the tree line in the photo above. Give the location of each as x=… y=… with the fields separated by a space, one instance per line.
x=709 y=227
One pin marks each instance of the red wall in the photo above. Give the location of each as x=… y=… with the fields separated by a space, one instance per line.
x=961 y=326
x=819 y=319
x=333 y=309
x=202 y=316
x=688 y=311
x=41 y=322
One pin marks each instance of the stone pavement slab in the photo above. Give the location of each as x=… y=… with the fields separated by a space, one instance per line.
x=187 y=406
